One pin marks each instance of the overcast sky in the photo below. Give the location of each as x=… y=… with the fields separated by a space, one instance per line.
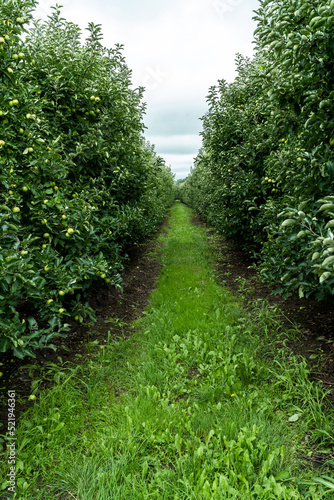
x=177 y=50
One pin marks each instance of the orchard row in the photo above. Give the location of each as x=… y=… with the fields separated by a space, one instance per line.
x=265 y=174
x=78 y=181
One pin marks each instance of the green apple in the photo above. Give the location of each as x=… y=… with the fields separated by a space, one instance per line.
x=46 y=268
x=15 y=102
x=64 y=217
x=24 y=252
x=21 y=55
x=61 y=310
x=44 y=221
x=15 y=57
x=45 y=201
x=76 y=318
x=49 y=301
x=103 y=276
x=10 y=192
x=46 y=235
x=61 y=293
x=19 y=20
x=70 y=230
x=32 y=397
x=10 y=71
x=30 y=150
x=25 y=189
x=16 y=210
x=2 y=40
x=44 y=245
x=2 y=143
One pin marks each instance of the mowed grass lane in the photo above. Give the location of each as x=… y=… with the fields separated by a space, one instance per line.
x=196 y=404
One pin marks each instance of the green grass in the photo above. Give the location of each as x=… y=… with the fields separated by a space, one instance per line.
x=197 y=404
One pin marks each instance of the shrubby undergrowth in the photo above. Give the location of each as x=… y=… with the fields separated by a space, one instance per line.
x=264 y=175
x=78 y=181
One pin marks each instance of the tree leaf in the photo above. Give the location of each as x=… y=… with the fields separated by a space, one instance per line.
x=325 y=276
x=289 y=222
x=328 y=260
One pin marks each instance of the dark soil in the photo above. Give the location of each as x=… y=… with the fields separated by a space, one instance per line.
x=115 y=309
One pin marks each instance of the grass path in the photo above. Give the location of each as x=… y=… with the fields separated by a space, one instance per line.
x=196 y=404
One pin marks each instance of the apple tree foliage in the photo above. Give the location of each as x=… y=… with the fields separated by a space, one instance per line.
x=78 y=181
x=265 y=174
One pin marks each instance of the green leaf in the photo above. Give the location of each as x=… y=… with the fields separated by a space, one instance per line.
x=294 y=417
x=59 y=427
x=326 y=206
x=328 y=260
x=283 y=476
x=329 y=482
x=289 y=222
x=325 y=276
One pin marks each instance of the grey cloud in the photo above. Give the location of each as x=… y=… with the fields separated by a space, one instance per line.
x=178 y=149
x=174 y=120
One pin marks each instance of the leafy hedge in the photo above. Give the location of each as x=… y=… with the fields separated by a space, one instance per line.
x=78 y=182
x=264 y=175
